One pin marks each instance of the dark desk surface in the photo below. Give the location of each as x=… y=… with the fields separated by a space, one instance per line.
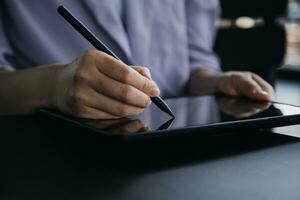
x=39 y=161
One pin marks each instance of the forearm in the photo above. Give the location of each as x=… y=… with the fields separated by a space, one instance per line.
x=24 y=91
x=204 y=81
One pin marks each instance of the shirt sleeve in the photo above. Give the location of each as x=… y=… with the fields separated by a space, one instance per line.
x=5 y=48
x=202 y=16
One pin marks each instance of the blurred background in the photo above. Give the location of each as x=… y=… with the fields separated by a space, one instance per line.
x=292 y=26
x=263 y=36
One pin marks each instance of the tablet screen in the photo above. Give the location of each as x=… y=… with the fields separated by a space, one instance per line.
x=194 y=111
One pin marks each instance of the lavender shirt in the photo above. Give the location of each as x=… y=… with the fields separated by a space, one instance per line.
x=171 y=37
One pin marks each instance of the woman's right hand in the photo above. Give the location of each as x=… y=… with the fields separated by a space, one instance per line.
x=97 y=86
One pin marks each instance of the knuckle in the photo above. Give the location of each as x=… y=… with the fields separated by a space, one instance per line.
x=105 y=58
x=88 y=54
x=80 y=75
x=126 y=93
x=123 y=111
x=77 y=98
x=146 y=85
x=125 y=75
x=145 y=70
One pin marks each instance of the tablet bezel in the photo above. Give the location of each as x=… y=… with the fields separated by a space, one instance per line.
x=205 y=130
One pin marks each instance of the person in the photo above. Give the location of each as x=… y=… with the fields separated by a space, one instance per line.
x=174 y=39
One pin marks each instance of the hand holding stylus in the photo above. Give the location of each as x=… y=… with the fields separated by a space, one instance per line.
x=97 y=86
x=98 y=44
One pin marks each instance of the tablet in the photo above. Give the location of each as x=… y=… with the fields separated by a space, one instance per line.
x=200 y=115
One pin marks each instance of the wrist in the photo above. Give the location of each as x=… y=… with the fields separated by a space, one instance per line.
x=52 y=84
x=205 y=81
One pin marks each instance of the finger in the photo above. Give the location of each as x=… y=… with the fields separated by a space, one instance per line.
x=125 y=74
x=143 y=71
x=109 y=105
x=120 y=91
x=250 y=88
x=264 y=85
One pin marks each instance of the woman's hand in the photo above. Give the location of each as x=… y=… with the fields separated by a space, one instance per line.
x=97 y=86
x=233 y=83
x=245 y=84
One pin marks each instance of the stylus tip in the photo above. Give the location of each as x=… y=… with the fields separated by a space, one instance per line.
x=162 y=105
x=169 y=111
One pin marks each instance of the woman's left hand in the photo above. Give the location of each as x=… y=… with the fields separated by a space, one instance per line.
x=233 y=83
x=245 y=84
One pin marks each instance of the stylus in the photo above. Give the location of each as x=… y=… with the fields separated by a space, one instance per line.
x=98 y=44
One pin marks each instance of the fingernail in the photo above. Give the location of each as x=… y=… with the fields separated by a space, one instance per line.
x=263 y=92
x=154 y=91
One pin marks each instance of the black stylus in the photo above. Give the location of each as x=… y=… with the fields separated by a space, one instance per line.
x=158 y=101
